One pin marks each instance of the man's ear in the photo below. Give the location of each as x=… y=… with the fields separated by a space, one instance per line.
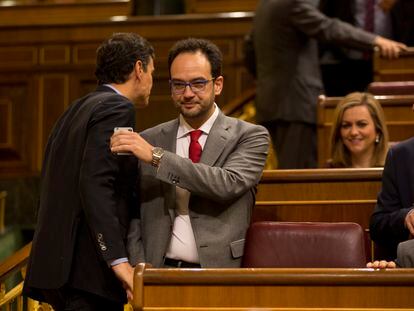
x=138 y=69
x=218 y=85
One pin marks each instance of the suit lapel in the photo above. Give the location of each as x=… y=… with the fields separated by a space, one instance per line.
x=216 y=141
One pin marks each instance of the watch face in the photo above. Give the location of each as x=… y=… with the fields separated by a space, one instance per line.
x=157 y=151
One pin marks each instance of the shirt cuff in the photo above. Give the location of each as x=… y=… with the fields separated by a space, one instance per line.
x=117 y=261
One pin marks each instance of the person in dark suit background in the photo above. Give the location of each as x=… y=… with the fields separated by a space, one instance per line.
x=79 y=259
x=392 y=221
x=285 y=36
x=345 y=70
x=195 y=211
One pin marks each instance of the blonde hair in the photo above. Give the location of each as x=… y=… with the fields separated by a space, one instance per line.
x=341 y=156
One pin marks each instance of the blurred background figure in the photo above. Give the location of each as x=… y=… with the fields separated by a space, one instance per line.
x=359 y=135
x=285 y=34
x=345 y=70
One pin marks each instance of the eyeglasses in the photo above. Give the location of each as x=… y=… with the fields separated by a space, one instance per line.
x=196 y=86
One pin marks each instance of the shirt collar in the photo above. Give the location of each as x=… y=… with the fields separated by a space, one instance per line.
x=184 y=128
x=114 y=88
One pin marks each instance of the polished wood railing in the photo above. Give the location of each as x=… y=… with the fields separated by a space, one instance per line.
x=398 y=69
x=267 y=289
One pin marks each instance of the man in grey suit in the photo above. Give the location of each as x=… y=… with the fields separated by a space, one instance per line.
x=195 y=214
x=288 y=76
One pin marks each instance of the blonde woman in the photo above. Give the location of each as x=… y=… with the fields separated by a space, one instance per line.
x=359 y=135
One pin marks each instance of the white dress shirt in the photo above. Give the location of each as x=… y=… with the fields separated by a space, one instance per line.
x=182 y=245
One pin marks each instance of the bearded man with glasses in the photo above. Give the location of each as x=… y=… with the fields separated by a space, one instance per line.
x=198 y=172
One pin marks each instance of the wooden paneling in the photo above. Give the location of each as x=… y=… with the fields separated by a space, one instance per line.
x=216 y=6
x=18 y=113
x=399 y=69
x=331 y=195
x=55 y=63
x=399 y=119
x=273 y=289
x=31 y=12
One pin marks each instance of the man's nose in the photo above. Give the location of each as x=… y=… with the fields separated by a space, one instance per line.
x=188 y=92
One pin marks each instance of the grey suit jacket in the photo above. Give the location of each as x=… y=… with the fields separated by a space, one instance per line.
x=405 y=254
x=222 y=190
x=288 y=74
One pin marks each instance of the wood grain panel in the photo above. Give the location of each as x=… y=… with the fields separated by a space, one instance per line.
x=54 y=55
x=273 y=289
x=5 y=123
x=18 y=56
x=211 y=6
x=32 y=12
x=18 y=152
x=54 y=90
x=399 y=69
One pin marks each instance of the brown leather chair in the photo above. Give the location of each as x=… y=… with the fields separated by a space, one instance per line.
x=304 y=245
x=391 y=88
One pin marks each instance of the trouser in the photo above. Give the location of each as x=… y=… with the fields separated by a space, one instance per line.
x=71 y=299
x=294 y=142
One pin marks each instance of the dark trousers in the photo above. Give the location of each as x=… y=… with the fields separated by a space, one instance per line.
x=294 y=143
x=71 y=299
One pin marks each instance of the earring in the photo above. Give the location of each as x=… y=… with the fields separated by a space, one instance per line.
x=377 y=139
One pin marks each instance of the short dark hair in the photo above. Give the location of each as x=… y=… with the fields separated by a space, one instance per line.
x=193 y=45
x=116 y=57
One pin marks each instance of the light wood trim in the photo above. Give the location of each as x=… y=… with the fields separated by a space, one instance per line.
x=315 y=202
x=323 y=174
x=16 y=261
x=386 y=100
x=279 y=276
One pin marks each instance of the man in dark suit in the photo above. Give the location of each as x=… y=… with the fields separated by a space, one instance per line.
x=197 y=196
x=288 y=76
x=393 y=218
x=345 y=70
x=79 y=258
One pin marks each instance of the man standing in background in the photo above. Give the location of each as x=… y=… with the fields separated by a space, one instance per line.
x=345 y=70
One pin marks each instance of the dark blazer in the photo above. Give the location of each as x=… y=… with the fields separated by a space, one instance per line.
x=285 y=39
x=86 y=200
x=401 y=17
x=222 y=190
x=396 y=197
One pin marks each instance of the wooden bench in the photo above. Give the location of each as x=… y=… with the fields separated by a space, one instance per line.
x=399 y=69
x=398 y=118
x=318 y=195
x=33 y=12
x=327 y=195
x=272 y=289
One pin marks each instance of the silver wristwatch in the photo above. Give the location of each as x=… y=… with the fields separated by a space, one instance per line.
x=157 y=154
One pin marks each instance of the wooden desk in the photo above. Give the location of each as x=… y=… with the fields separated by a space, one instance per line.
x=272 y=289
x=399 y=69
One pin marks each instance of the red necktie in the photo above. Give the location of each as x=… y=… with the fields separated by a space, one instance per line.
x=369 y=15
x=194 y=152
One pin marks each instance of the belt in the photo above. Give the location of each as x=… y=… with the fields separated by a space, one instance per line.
x=169 y=262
